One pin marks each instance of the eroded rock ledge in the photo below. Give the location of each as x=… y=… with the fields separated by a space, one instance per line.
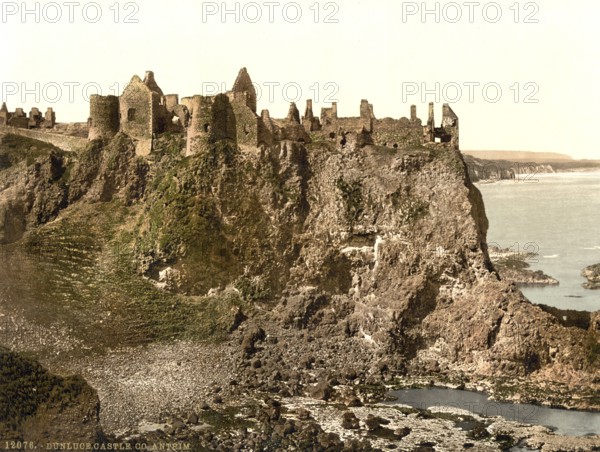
x=317 y=265
x=514 y=267
x=592 y=273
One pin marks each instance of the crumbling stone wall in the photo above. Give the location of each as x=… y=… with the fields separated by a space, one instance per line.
x=291 y=129
x=65 y=142
x=309 y=121
x=4 y=115
x=449 y=129
x=49 y=118
x=335 y=127
x=171 y=101
x=329 y=115
x=35 y=118
x=246 y=123
x=266 y=129
x=396 y=133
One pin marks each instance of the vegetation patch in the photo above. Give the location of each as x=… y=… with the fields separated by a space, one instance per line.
x=353 y=199
x=86 y=265
x=15 y=149
x=25 y=385
x=225 y=420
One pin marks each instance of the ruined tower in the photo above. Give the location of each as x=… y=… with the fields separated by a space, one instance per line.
x=4 y=115
x=449 y=129
x=49 y=118
x=104 y=117
x=213 y=120
x=366 y=115
x=309 y=121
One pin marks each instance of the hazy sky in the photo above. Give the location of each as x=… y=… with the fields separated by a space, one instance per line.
x=520 y=75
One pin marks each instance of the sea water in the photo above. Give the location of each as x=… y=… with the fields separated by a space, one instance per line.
x=558 y=217
x=563 y=422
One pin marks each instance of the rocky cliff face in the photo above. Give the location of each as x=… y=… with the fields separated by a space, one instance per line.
x=377 y=251
x=38 y=180
x=32 y=189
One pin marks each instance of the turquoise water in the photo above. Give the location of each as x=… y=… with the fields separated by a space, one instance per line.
x=558 y=216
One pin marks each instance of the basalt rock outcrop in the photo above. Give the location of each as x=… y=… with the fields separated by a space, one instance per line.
x=384 y=246
x=514 y=267
x=39 y=180
x=329 y=255
x=592 y=274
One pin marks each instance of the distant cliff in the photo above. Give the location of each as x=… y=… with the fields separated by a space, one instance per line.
x=491 y=170
x=494 y=170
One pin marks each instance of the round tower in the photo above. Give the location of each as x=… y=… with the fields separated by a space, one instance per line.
x=201 y=122
x=104 y=117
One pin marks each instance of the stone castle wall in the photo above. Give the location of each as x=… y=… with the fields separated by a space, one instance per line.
x=65 y=142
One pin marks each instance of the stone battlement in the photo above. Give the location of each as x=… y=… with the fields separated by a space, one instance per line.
x=143 y=111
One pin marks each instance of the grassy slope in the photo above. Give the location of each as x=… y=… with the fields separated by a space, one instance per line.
x=25 y=386
x=15 y=149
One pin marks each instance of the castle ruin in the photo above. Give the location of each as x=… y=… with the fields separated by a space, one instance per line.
x=19 y=119
x=143 y=111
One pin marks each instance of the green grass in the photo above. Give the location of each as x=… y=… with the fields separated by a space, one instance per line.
x=88 y=279
x=15 y=149
x=225 y=420
x=25 y=385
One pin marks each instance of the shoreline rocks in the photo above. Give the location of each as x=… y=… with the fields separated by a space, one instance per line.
x=514 y=267
x=592 y=273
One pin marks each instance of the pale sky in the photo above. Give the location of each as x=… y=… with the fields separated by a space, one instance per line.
x=383 y=51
